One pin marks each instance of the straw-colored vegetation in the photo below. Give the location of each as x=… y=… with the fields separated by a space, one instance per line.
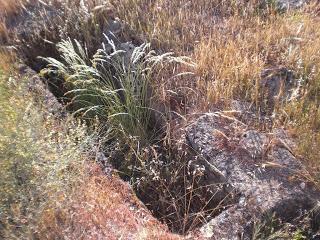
x=230 y=50
x=133 y=102
x=50 y=186
x=39 y=165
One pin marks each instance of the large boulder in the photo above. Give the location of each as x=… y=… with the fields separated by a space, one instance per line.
x=259 y=168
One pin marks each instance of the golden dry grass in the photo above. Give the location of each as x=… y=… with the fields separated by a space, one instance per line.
x=4 y=37
x=230 y=44
x=103 y=208
x=8 y=7
x=49 y=187
x=303 y=115
x=7 y=61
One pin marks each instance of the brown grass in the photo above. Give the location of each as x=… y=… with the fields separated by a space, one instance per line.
x=102 y=208
x=303 y=115
x=50 y=189
x=7 y=61
x=4 y=36
x=231 y=44
x=9 y=7
x=177 y=25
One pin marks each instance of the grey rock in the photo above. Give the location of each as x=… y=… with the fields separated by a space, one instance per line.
x=284 y=5
x=276 y=85
x=36 y=85
x=257 y=167
x=248 y=114
x=128 y=49
x=254 y=142
x=115 y=26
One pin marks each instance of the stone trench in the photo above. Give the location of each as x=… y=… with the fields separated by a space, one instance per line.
x=257 y=170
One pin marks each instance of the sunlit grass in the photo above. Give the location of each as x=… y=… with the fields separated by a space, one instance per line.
x=231 y=49
x=114 y=85
x=39 y=165
x=50 y=186
x=231 y=42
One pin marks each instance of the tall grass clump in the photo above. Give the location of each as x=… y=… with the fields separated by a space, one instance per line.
x=50 y=186
x=114 y=85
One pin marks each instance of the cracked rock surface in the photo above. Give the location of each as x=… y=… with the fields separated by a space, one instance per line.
x=260 y=168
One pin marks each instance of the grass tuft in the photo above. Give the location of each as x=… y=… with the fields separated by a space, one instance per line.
x=115 y=85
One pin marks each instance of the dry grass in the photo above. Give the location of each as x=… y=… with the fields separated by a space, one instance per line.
x=9 y=7
x=206 y=31
x=7 y=61
x=103 y=208
x=178 y=25
x=4 y=37
x=231 y=42
x=302 y=115
x=49 y=188
x=59 y=20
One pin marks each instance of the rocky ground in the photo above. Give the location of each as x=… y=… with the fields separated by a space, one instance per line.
x=255 y=177
x=256 y=172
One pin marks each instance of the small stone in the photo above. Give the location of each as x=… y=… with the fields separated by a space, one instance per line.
x=115 y=26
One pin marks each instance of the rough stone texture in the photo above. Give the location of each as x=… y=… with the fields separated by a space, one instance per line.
x=277 y=85
x=260 y=167
x=37 y=86
x=285 y=5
